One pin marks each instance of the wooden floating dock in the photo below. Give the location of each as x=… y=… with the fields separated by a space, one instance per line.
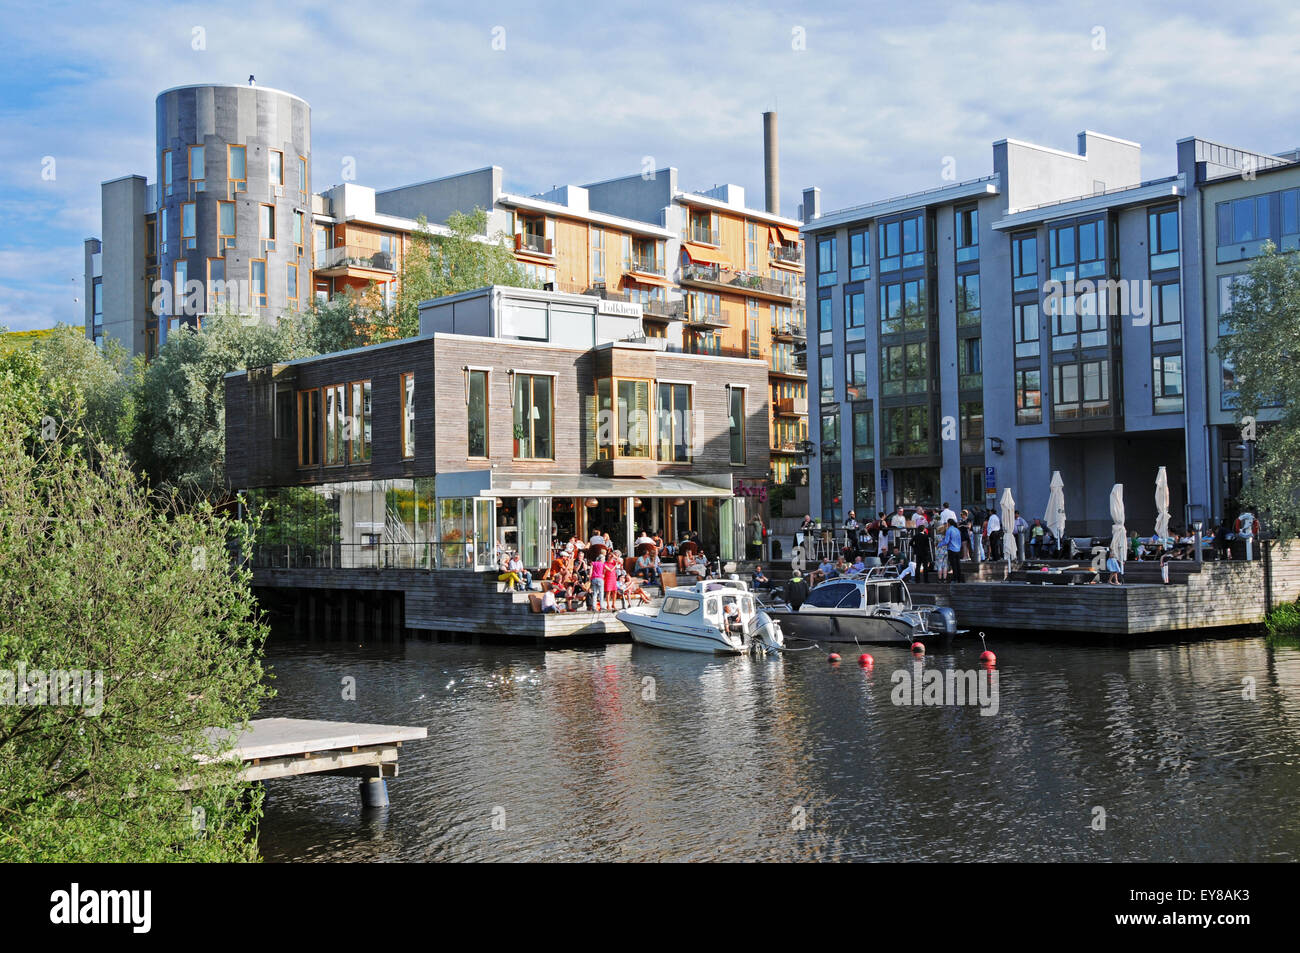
x=273 y=748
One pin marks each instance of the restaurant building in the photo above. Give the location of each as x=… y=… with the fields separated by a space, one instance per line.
x=516 y=417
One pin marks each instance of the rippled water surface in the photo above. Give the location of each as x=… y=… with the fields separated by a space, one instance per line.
x=623 y=752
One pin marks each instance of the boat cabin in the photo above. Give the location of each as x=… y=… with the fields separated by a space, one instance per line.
x=852 y=593
x=709 y=602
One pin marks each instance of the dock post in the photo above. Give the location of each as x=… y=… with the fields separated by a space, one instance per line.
x=374 y=792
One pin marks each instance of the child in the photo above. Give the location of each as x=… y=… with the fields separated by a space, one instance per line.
x=598 y=578
x=1112 y=567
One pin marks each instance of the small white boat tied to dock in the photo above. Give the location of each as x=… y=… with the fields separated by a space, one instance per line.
x=718 y=616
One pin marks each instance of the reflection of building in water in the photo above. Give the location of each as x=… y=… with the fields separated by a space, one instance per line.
x=515 y=419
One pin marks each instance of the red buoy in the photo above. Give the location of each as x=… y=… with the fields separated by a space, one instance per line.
x=987 y=656
x=918 y=648
x=865 y=659
x=833 y=657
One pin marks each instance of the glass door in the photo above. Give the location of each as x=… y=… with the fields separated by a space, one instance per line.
x=485 y=534
x=535 y=531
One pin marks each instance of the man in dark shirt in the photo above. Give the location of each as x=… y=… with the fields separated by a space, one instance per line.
x=796 y=591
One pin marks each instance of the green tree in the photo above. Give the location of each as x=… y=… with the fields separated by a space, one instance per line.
x=1262 y=344
x=133 y=597
x=180 y=432
x=464 y=260
x=61 y=376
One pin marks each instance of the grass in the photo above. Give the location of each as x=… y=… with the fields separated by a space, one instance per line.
x=1283 y=625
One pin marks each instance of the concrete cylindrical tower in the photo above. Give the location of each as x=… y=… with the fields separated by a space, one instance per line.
x=234 y=197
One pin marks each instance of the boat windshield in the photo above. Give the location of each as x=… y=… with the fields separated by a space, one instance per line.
x=676 y=605
x=838 y=595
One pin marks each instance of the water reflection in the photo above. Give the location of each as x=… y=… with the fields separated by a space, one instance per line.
x=621 y=752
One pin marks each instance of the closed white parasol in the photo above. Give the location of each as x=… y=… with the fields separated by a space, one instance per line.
x=1162 y=504
x=1008 y=506
x=1118 y=537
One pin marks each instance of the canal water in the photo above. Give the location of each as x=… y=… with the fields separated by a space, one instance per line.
x=1169 y=752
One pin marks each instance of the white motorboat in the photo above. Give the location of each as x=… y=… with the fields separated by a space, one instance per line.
x=873 y=606
x=717 y=616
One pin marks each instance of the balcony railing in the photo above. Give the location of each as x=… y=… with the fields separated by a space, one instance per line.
x=537 y=244
x=789 y=332
x=701 y=234
x=787 y=254
x=667 y=310
x=354 y=256
x=792 y=407
x=645 y=264
x=715 y=274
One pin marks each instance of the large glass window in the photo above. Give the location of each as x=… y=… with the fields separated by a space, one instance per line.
x=533 y=416
x=972 y=427
x=825 y=321
x=336 y=425
x=968 y=300
x=1162 y=235
x=675 y=423
x=476 y=399
x=859 y=255
x=1024 y=262
x=855 y=377
x=197 y=173
x=1242 y=220
x=968 y=233
x=408 y=414
x=1166 y=312
x=903 y=307
x=309 y=424
x=1080 y=390
x=736 y=422
x=902 y=243
x=827 y=379
x=970 y=364
x=359 y=451
x=864 y=444
x=1077 y=250
x=257 y=279
x=1167 y=383
x=855 y=316
x=633 y=418
x=597 y=254
x=187 y=225
x=1025 y=320
x=907 y=431
x=236 y=162
x=1029 y=397
x=826 y=267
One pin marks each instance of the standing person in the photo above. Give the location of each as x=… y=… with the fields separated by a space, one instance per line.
x=598 y=577
x=923 y=552
x=945 y=515
x=1221 y=543
x=612 y=567
x=1036 y=533
x=993 y=529
x=851 y=530
x=1113 y=567
x=965 y=529
x=952 y=542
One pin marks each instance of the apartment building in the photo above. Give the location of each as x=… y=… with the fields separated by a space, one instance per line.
x=1059 y=314
x=517 y=416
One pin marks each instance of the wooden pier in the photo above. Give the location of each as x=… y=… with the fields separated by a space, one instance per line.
x=289 y=747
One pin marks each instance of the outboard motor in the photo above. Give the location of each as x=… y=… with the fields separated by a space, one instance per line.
x=767 y=632
x=942 y=621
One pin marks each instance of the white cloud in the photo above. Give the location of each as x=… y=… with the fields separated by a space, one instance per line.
x=581 y=92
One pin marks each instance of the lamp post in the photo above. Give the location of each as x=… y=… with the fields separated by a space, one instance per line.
x=1197 y=526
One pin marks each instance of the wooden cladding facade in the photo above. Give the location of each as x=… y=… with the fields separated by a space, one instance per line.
x=258 y=454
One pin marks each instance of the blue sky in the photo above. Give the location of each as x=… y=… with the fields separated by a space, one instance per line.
x=871 y=97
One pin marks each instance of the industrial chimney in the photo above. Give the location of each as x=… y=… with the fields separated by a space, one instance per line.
x=771 y=164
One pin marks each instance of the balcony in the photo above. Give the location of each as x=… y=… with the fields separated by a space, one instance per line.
x=786 y=254
x=530 y=243
x=701 y=235
x=716 y=276
x=704 y=321
x=791 y=407
x=790 y=333
x=655 y=310
x=342 y=259
x=645 y=265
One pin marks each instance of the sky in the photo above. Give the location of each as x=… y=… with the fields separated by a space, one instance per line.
x=873 y=100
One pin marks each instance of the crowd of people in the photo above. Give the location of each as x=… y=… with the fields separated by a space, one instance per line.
x=593 y=574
